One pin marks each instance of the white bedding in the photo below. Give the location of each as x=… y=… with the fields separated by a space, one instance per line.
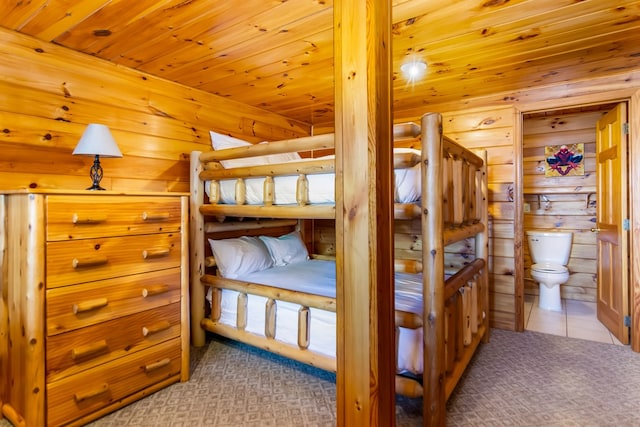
x=321 y=188
x=318 y=277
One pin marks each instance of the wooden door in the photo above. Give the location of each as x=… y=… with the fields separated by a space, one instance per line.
x=612 y=240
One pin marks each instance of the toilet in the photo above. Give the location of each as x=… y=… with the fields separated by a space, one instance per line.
x=550 y=254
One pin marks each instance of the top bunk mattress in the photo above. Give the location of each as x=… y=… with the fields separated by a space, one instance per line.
x=321 y=186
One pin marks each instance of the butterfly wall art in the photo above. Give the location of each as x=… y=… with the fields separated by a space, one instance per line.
x=564 y=160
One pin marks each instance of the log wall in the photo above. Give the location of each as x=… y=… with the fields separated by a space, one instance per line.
x=48 y=94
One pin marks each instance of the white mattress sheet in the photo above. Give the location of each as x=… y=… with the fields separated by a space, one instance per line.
x=318 y=277
x=321 y=188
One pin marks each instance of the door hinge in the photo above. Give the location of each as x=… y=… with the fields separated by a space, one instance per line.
x=627 y=321
x=625 y=128
x=625 y=224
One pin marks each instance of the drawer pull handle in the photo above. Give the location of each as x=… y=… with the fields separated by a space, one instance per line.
x=89 y=262
x=89 y=350
x=160 y=326
x=157 y=365
x=155 y=253
x=12 y=415
x=93 y=304
x=80 y=397
x=150 y=291
x=93 y=219
x=155 y=216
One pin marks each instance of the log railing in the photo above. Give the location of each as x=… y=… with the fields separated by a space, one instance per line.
x=267 y=341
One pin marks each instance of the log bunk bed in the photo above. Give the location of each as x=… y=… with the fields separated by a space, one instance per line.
x=454 y=282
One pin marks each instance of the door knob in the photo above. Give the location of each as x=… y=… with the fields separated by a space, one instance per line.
x=595 y=230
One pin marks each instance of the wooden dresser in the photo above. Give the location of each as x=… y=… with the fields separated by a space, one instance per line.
x=94 y=308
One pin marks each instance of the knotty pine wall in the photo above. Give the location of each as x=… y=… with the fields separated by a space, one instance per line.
x=48 y=94
x=563 y=203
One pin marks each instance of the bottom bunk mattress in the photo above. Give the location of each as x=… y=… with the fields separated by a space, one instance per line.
x=318 y=277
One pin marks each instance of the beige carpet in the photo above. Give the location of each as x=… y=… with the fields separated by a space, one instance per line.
x=535 y=379
x=518 y=379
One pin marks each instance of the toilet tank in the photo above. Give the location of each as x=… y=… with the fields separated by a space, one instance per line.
x=549 y=247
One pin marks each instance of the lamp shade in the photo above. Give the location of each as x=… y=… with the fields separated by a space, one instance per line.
x=97 y=139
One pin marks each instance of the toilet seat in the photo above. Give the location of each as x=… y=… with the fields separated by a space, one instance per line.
x=549 y=268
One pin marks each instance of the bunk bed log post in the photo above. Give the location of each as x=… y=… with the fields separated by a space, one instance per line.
x=214 y=192
x=270 y=310
x=433 y=263
x=197 y=261
x=458 y=192
x=304 y=324
x=216 y=303
x=472 y=196
x=473 y=286
x=467 y=192
x=241 y=311
x=241 y=191
x=268 y=195
x=458 y=312
x=302 y=190
x=448 y=191
x=466 y=318
x=449 y=334
x=482 y=242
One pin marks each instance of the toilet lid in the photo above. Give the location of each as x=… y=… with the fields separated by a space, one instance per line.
x=549 y=268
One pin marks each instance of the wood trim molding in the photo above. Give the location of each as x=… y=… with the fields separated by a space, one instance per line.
x=634 y=207
x=518 y=232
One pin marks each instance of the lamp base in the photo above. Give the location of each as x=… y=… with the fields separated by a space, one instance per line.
x=96 y=174
x=96 y=187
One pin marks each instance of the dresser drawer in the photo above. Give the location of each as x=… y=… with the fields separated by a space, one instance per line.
x=73 y=307
x=88 y=391
x=81 y=349
x=79 y=261
x=73 y=217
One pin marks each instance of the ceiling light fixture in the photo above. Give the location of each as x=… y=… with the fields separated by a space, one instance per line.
x=413 y=70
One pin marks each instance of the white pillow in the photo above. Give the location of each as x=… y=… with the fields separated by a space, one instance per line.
x=273 y=159
x=286 y=249
x=239 y=256
x=221 y=142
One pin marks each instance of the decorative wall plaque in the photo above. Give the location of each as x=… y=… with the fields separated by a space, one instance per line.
x=564 y=160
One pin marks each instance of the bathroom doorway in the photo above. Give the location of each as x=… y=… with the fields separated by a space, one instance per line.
x=561 y=199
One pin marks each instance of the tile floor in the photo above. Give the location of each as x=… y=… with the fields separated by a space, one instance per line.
x=576 y=320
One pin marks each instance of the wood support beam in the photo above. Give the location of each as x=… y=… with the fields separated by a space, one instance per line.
x=364 y=214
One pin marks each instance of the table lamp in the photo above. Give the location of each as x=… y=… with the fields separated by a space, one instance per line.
x=97 y=141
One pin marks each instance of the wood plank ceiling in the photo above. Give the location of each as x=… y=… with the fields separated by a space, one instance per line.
x=278 y=54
